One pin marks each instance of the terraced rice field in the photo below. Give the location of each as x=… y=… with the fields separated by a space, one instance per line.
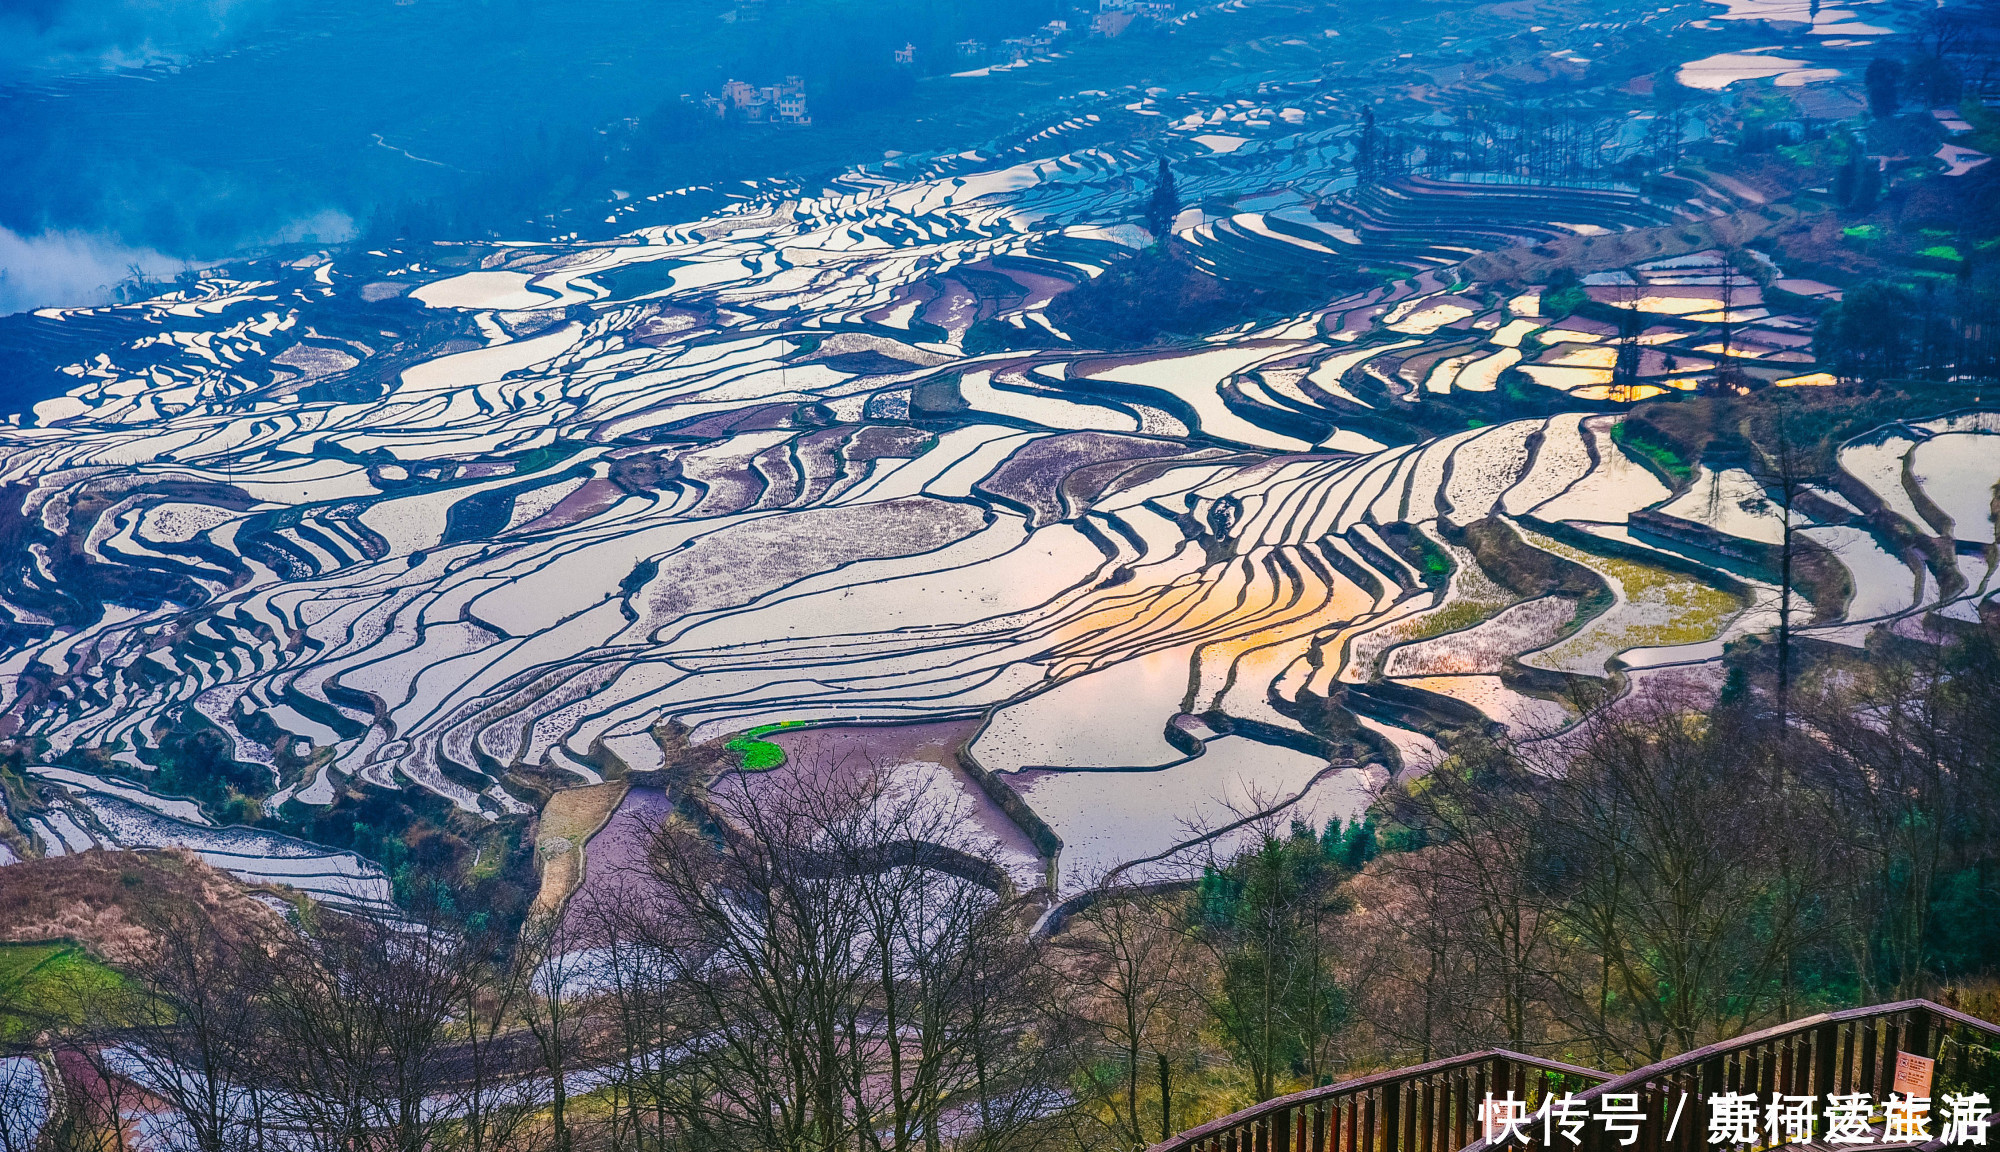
x=1168 y=820
x=1486 y=646
x=428 y=519
x=1652 y=607
x=88 y=813
x=1522 y=714
x=1958 y=471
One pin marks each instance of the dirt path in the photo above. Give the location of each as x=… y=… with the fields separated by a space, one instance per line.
x=568 y=821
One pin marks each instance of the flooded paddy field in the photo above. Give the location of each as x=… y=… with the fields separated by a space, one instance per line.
x=818 y=486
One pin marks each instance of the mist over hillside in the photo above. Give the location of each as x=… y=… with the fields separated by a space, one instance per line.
x=160 y=137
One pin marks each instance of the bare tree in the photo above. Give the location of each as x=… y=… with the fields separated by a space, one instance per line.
x=652 y=1017
x=27 y=1101
x=362 y=1009
x=1479 y=819
x=496 y=1110
x=1126 y=959
x=1727 y=374
x=91 y=1102
x=1411 y=961
x=1905 y=756
x=556 y=979
x=1677 y=853
x=192 y=1031
x=834 y=952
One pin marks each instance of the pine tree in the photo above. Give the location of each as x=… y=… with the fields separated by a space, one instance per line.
x=1365 y=158
x=1867 y=184
x=1350 y=848
x=1266 y=919
x=1165 y=204
x=1625 y=369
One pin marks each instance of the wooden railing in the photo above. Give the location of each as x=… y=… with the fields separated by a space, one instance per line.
x=1843 y=1052
x=1429 y=1108
x=1436 y=1107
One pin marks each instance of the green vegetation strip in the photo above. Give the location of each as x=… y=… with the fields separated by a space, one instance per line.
x=1640 y=440
x=761 y=755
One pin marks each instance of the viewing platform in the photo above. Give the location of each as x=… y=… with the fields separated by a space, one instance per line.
x=1662 y=1107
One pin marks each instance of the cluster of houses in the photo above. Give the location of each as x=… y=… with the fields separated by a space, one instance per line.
x=785 y=104
x=1014 y=49
x=781 y=104
x=1111 y=18
x=1114 y=16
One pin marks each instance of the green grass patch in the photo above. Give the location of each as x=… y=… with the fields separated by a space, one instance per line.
x=1454 y=617
x=546 y=456
x=489 y=858
x=1941 y=252
x=49 y=983
x=1634 y=439
x=1432 y=560
x=1808 y=155
x=1563 y=301
x=1862 y=232
x=756 y=755
x=1985 y=123
x=761 y=755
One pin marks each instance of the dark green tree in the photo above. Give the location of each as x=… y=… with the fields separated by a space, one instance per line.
x=1352 y=848
x=1367 y=150
x=1164 y=205
x=1884 y=79
x=1866 y=336
x=1867 y=183
x=1267 y=919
